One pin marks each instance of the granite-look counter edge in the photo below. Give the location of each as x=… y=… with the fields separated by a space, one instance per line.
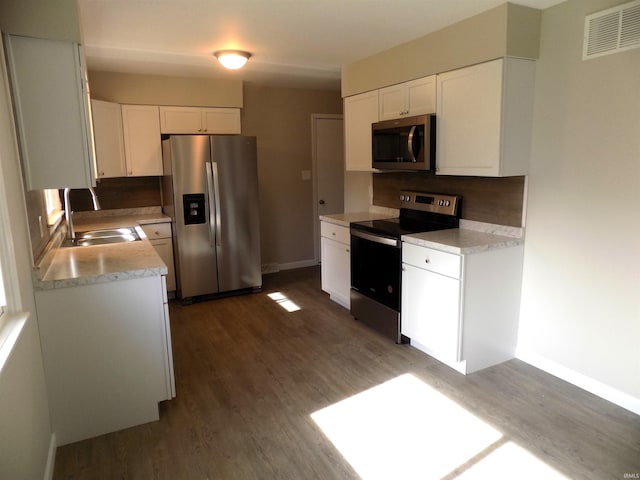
x=462 y=241
x=74 y=266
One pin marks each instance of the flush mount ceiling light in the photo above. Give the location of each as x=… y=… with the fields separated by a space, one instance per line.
x=232 y=59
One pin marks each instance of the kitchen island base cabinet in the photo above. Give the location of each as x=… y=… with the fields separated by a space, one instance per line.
x=465 y=317
x=107 y=355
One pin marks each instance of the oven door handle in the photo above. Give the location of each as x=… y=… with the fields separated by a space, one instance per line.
x=392 y=242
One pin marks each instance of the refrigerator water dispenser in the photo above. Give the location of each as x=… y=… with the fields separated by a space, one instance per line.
x=193 y=205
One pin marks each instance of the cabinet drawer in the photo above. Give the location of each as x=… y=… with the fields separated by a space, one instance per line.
x=433 y=260
x=157 y=230
x=335 y=232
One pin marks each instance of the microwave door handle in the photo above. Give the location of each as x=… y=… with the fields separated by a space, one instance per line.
x=410 y=143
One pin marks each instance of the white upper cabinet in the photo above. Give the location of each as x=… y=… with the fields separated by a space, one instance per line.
x=142 y=144
x=360 y=111
x=416 y=97
x=197 y=120
x=107 y=131
x=53 y=117
x=485 y=118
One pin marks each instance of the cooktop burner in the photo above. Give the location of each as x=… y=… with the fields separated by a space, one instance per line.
x=419 y=212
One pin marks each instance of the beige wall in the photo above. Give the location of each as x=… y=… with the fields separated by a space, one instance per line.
x=164 y=90
x=580 y=315
x=507 y=30
x=55 y=19
x=281 y=120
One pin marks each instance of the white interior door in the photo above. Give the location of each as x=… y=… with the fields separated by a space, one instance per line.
x=327 y=136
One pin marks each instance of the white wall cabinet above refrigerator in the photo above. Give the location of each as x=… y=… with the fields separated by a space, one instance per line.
x=53 y=118
x=200 y=120
x=415 y=97
x=485 y=115
x=142 y=142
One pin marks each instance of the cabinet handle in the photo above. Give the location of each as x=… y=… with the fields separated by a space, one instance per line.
x=426 y=260
x=333 y=233
x=347 y=250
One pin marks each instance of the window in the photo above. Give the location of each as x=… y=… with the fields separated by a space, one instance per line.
x=3 y=298
x=54 y=207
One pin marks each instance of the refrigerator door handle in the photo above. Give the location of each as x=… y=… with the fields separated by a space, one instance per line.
x=217 y=197
x=212 y=206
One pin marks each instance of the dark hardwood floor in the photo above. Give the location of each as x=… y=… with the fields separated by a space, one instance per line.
x=249 y=374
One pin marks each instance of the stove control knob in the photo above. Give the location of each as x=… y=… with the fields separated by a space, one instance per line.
x=402 y=198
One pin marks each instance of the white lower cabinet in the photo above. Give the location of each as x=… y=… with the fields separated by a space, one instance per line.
x=159 y=235
x=336 y=262
x=462 y=309
x=107 y=355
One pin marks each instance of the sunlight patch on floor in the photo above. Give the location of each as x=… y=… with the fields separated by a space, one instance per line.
x=405 y=429
x=283 y=301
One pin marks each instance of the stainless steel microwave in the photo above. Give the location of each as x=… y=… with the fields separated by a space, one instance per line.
x=405 y=143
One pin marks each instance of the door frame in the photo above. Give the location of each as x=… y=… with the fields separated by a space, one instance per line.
x=314 y=176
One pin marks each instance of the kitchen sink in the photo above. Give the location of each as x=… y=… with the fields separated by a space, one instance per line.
x=103 y=237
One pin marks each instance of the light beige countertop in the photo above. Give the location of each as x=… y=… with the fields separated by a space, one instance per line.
x=462 y=241
x=64 y=267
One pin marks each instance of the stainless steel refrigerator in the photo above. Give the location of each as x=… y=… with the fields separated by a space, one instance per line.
x=210 y=190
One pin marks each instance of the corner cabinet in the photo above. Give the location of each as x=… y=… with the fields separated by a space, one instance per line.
x=53 y=118
x=142 y=143
x=107 y=130
x=335 y=254
x=416 y=97
x=462 y=309
x=197 y=120
x=360 y=111
x=485 y=118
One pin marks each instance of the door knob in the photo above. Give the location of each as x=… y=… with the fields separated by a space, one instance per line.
x=321 y=202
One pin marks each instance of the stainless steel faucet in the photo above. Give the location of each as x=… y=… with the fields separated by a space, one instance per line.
x=68 y=213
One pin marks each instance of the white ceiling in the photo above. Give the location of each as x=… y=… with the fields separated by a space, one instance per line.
x=295 y=43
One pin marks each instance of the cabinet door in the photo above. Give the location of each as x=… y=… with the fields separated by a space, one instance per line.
x=143 y=150
x=107 y=130
x=336 y=270
x=469 y=120
x=221 y=120
x=360 y=111
x=180 y=120
x=164 y=248
x=416 y=97
x=430 y=312
x=421 y=95
x=392 y=102
x=53 y=117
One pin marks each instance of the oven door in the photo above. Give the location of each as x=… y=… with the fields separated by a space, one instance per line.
x=376 y=267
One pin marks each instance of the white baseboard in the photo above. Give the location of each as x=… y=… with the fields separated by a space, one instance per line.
x=600 y=389
x=51 y=458
x=300 y=264
x=276 y=267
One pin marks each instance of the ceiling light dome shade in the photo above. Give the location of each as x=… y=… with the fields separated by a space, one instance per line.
x=232 y=59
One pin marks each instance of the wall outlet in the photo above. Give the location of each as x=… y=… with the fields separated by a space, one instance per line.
x=306 y=174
